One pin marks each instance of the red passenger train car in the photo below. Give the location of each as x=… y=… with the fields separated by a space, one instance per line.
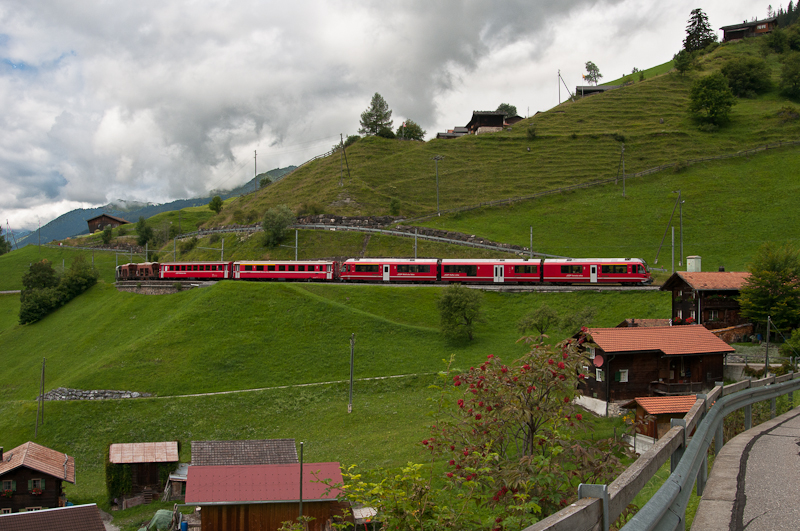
x=285 y=270
x=196 y=270
x=596 y=271
x=491 y=270
x=390 y=270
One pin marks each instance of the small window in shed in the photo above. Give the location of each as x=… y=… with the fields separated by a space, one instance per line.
x=623 y=376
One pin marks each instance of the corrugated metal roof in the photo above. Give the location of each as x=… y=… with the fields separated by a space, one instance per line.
x=260 y=483
x=150 y=452
x=658 y=405
x=40 y=458
x=246 y=452
x=671 y=340
x=75 y=518
x=709 y=281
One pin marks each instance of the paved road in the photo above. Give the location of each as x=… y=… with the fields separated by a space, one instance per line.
x=752 y=486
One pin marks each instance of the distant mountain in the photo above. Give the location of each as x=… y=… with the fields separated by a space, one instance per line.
x=73 y=223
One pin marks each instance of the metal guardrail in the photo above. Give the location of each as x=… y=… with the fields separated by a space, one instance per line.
x=600 y=505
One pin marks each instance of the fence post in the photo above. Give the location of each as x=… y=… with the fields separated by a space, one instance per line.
x=702 y=474
x=675 y=458
x=791 y=394
x=586 y=490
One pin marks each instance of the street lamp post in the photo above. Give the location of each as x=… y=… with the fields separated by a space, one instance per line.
x=437 y=158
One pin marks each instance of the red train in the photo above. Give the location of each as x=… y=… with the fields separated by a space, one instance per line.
x=630 y=271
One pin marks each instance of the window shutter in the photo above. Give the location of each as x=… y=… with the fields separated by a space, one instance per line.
x=30 y=485
x=42 y=484
x=14 y=484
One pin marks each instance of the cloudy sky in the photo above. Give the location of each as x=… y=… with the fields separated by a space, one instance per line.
x=154 y=100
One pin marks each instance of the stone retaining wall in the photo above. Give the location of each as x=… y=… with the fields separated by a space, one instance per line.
x=63 y=393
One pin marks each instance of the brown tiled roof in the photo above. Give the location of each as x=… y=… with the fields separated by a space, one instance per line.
x=709 y=281
x=643 y=323
x=671 y=340
x=151 y=452
x=75 y=518
x=658 y=405
x=39 y=458
x=254 y=452
x=115 y=218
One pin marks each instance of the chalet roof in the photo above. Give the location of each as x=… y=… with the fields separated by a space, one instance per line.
x=708 y=281
x=149 y=452
x=253 y=452
x=39 y=458
x=73 y=518
x=115 y=218
x=746 y=24
x=260 y=483
x=684 y=340
x=643 y=323
x=659 y=405
x=488 y=113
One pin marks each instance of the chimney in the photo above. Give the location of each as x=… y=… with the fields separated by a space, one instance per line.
x=693 y=264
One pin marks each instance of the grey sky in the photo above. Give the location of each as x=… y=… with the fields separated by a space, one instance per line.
x=154 y=101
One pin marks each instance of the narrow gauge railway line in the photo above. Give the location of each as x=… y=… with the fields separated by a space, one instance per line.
x=503 y=288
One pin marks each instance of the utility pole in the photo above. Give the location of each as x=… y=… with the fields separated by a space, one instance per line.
x=766 y=357
x=415 y=243
x=673 y=249
x=437 y=158
x=255 y=170
x=559 y=87
x=352 y=363
x=623 y=170
x=680 y=206
x=341 y=159
x=530 y=249
x=40 y=405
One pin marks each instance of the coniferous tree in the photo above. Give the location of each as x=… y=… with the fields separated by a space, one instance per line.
x=378 y=116
x=698 y=33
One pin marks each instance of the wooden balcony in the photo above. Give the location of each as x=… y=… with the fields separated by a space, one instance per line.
x=669 y=389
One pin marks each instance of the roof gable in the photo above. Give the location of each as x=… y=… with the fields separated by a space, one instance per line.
x=252 y=452
x=149 y=452
x=260 y=483
x=661 y=405
x=73 y=518
x=39 y=458
x=685 y=340
x=708 y=281
x=109 y=216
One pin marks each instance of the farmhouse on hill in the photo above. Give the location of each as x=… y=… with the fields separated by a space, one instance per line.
x=749 y=29
x=707 y=298
x=31 y=478
x=104 y=220
x=627 y=363
x=260 y=497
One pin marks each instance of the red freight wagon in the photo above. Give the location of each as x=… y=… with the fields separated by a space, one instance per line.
x=596 y=271
x=196 y=270
x=143 y=271
x=390 y=269
x=285 y=270
x=491 y=270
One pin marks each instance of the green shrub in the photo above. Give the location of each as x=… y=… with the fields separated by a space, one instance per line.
x=394 y=206
x=177 y=286
x=214 y=238
x=790 y=76
x=276 y=222
x=188 y=245
x=309 y=209
x=531 y=132
x=747 y=76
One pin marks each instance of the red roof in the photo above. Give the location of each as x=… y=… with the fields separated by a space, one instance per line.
x=671 y=340
x=150 y=452
x=712 y=280
x=75 y=518
x=39 y=458
x=657 y=405
x=241 y=484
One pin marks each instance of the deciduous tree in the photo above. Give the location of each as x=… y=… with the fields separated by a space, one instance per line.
x=593 y=74
x=540 y=319
x=507 y=109
x=144 y=232
x=711 y=98
x=410 y=130
x=773 y=288
x=698 y=33
x=747 y=76
x=276 y=222
x=460 y=310
x=215 y=204
x=790 y=76
x=684 y=61
x=376 y=116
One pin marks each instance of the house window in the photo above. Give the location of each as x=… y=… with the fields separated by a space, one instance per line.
x=713 y=315
x=623 y=376
x=34 y=484
x=692 y=314
x=599 y=375
x=29 y=509
x=680 y=314
x=5 y=511
x=591 y=353
x=8 y=484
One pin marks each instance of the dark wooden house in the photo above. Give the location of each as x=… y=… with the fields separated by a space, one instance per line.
x=104 y=220
x=260 y=497
x=749 y=29
x=31 y=478
x=486 y=122
x=76 y=517
x=655 y=413
x=150 y=464
x=625 y=363
x=709 y=299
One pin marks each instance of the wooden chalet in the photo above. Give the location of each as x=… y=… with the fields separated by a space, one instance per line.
x=31 y=478
x=654 y=413
x=709 y=299
x=625 y=363
x=73 y=518
x=105 y=220
x=150 y=464
x=261 y=497
x=748 y=29
x=486 y=122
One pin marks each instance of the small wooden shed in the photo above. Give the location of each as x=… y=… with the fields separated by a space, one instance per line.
x=104 y=220
x=150 y=464
x=654 y=413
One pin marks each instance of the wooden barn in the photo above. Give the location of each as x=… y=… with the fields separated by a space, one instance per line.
x=749 y=29
x=706 y=298
x=104 y=220
x=625 y=363
x=31 y=478
x=150 y=464
x=261 y=497
x=76 y=517
x=486 y=122
x=655 y=413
